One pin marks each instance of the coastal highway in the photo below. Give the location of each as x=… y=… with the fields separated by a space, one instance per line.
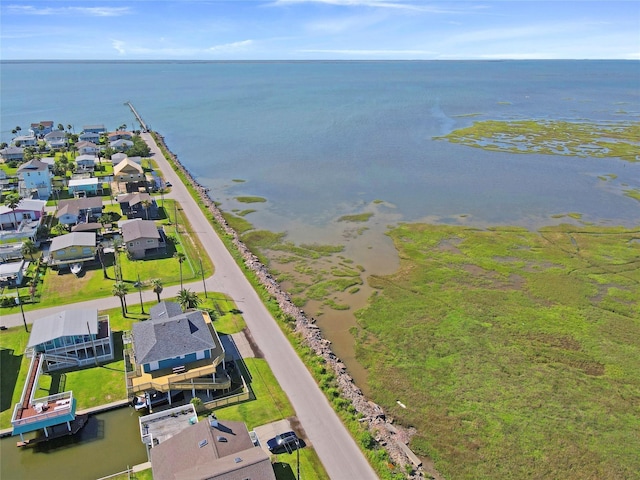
x=334 y=445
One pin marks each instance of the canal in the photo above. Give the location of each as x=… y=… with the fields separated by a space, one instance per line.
x=108 y=443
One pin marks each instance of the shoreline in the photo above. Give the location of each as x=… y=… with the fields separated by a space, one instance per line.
x=393 y=438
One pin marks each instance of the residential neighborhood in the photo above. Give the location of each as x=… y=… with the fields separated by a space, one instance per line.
x=72 y=212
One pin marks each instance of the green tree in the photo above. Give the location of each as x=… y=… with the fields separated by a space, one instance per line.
x=157 y=287
x=120 y=290
x=12 y=201
x=188 y=299
x=29 y=248
x=146 y=204
x=181 y=257
x=60 y=126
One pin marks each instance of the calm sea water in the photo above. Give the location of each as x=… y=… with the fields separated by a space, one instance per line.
x=324 y=139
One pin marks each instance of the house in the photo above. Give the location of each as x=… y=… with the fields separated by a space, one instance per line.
x=71 y=338
x=128 y=171
x=56 y=139
x=121 y=144
x=211 y=450
x=142 y=236
x=12 y=153
x=89 y=137
x=12 y=273
x=120 y=135
x=84 y=186
x=25 y=141
x=27 y=211
x=116 y=158
x=94 y=129
x=75 y=247
x=86 y=162
x=35 y=178
x=171 y=349
x=49 y=161
x=79 y=210
x=138 y=205
x=87 y=148
x=41 y=128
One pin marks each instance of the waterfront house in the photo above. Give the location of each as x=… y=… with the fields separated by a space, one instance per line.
x=71 y=339
x=128 y=172
x=56 y=139
x=35 y=178
x=87 y=148
x=138 y=205
x=25 y=141
x=75 y=247
x=91 y=137
x=84 y=186
x=27 y=211
x=41 y=129
x=210 y=450
x=12 y=273
x=116 y=158
x=120 y=135
x=79 y=210
x=121 y=144
x=174 y=350
x=94 y=129
x=12 y=153
x=141 y=237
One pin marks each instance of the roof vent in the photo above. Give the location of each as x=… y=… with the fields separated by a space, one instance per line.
x=237 y=460
x=203 y=443
x=220 y=438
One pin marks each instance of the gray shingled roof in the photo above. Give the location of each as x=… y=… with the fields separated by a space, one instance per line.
x=165 y=309
x=135 y=229
x=74 y=205
x=159 y=339
x=181 y=456
x=66 y=323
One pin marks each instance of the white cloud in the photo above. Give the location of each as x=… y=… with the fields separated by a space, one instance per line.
x=397 y=5
x=231 y=47
x=84 y=11
x=119 y=46
x=371 y=53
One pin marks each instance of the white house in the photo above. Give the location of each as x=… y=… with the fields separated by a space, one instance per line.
x=121 y=144
x=56 y=139
x=25 y=141
x=89 y=137
x=86 y=162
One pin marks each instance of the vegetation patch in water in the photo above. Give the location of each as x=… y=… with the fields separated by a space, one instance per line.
x=359 y=217
x=507 y=345
x=619 y=140
x=251 y=199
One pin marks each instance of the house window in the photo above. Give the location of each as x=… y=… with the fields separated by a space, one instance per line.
x=86 y=251
x=149 y=240
x=131 y=244
x=61 y=253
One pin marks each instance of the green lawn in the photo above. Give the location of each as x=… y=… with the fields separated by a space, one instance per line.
x=516 y=353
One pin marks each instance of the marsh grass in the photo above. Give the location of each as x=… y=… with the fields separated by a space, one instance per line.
x=508 y=346
x=358 y=217
x=615 y=140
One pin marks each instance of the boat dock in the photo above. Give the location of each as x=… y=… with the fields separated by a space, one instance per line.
x=143 y=125
x=57 y=431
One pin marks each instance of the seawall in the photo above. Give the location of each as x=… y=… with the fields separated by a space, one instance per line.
x=388 y=435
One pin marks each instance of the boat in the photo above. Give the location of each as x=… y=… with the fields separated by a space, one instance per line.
x=76 y=268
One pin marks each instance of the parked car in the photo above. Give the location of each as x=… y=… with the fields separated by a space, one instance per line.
x=285 y=442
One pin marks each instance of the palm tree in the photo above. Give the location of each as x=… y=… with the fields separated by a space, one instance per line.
x=146 y=204
x=60 y=126
x=120 y=290
x=188 y=299
x=162 y=191
x=100 y=251
x=29 y=248
x=157 y=287
x=181 y=257
x=12 y=201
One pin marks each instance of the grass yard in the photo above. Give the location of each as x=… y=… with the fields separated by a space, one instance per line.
x=516 y=353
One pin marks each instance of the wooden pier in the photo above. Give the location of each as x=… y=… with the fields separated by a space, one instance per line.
x=143 y=125
x=57 y=431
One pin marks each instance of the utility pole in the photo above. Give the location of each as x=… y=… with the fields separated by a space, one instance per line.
x=139 y=285
x=203 y=283
x=24 y=320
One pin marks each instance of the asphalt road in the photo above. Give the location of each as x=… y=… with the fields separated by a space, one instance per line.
x=334 y=445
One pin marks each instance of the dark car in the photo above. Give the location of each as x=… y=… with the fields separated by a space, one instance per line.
x=285 y=442
x=168 y=184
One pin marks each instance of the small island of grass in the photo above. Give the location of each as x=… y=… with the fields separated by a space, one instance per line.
x=359 y=217
x=249 y=199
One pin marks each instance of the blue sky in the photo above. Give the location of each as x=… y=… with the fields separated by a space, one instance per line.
x=319 y=29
